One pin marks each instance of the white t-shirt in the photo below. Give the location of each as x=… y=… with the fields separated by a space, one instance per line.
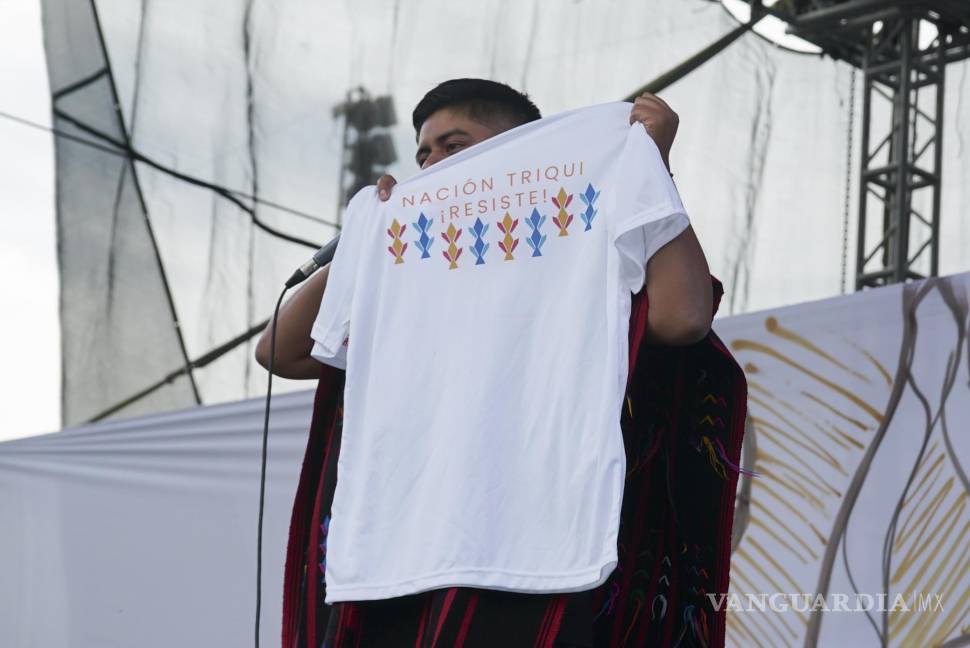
x=482 y=316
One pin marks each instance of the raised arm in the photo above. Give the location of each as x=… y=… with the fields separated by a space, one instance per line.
x=678 y=282
x=293 y=341
x=680 y=293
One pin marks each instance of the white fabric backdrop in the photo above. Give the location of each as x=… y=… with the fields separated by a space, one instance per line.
x=142 y=532
x=243 y=97
x=857 y=405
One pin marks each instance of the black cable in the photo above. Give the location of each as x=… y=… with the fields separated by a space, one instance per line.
x=120 y=152
x=60 y=133
x=200 y=362
x=119 y=121
x=135 y=155
x=262 y=474
x=323 y=256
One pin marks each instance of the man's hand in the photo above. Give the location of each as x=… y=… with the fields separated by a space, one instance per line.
x=384 y=185
x=678 y=281
x=660 y=121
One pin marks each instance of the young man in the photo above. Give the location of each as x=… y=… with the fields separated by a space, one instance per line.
x=684 y=377
x=461 y=113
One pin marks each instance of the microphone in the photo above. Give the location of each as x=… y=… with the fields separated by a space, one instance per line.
x=322 y=257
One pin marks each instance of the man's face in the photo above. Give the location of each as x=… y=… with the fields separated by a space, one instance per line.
x=448 y=131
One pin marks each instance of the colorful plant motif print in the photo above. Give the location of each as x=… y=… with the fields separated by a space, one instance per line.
x=453 y=251
x=480 y=247
x=423 y=225
x=589 y=197
x=508 y=244
x=397 y=248
x=563 y=219
x=535 y=239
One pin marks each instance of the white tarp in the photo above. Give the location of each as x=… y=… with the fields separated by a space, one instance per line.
x=142 y=532
x=243 y=97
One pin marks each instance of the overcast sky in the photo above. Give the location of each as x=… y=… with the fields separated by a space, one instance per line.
x=30 y=383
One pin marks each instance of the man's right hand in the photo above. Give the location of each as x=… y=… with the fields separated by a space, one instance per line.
x=384 y=186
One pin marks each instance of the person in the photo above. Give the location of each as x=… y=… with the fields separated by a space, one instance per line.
x=460 y=113
x=682 y=297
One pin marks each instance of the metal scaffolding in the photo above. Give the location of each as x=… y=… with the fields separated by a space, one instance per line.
x=903 y=157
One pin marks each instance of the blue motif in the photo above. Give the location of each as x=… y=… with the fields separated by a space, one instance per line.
x=325 y=531
x=480 y=247
x=535 y=240
x=424 y=241
x=589 y=197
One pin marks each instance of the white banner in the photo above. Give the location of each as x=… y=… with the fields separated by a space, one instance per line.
x=143 y=532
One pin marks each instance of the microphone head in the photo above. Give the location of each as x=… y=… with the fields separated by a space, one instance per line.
x=324 y=255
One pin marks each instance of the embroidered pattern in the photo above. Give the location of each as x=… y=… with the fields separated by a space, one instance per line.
x=324 y=531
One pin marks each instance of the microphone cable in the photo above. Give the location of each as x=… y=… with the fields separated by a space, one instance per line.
x=322 y=257
x=262 y=473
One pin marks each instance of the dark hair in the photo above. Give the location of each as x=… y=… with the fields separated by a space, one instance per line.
x=487 y=102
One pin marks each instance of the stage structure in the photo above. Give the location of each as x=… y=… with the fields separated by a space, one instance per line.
x=368 y=146
x=188 y=192
x=903 y=48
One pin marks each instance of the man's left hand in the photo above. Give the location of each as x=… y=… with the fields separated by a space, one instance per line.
x=660 y=121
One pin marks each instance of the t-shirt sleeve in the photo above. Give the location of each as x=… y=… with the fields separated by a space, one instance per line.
x=649 y=212
x=331 y=327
